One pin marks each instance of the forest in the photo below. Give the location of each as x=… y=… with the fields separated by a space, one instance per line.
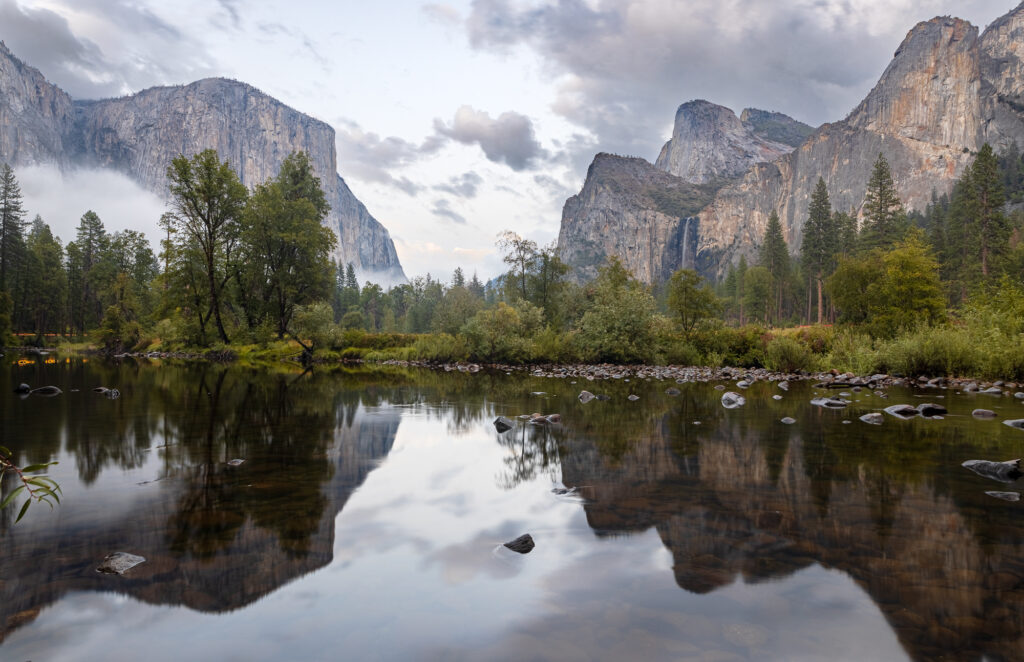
x=937 y=292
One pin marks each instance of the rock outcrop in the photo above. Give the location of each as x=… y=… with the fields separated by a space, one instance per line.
x=946 y=92
x=710 y=144
x=634 y=210
x=138 y=135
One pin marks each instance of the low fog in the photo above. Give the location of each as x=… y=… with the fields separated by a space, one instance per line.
x=61 y=199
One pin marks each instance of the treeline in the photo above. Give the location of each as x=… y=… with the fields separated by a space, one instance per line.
x=239 y=267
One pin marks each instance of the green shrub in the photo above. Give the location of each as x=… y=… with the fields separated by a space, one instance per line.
x=786 y=354
x=852 y=352
x=440 y=347
x=932 y=351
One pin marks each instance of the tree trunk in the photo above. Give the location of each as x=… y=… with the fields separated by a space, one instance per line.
x=820 y=307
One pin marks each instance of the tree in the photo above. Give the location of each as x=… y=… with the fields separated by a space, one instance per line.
x=208 y=199
x=48 y=281
x=691 y=299
x=458 y=278
x=885 y=221
x=12 y=223
x=284 y=247
x=819 y=245
x=909 y=292
x=519 y=255
x=990 y=228
x=618 y=326
x=758 y=293
x=546 y=281
x=89 y=271
x=774 y=256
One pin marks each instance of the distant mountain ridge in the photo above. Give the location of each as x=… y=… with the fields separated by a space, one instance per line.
x=140 y=134
x=946 y=92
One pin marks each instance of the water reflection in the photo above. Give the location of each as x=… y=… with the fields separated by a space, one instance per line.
x=696 y=531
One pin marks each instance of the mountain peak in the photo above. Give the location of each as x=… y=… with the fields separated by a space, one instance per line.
x=709 y=143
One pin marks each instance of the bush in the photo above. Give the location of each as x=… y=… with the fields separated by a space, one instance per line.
x=502 y=334
x=852 y=352
x=440 y=347
x=785 y=354
x=934 y=351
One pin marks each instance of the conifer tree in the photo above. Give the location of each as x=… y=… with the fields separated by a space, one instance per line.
x=774 y=257
x=991 y=229
x=885 y=221
x=818 y=248
x=12 y=224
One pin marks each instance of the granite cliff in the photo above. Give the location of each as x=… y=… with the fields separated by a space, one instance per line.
x=709 y=143
x=138 y=135
x=946 y=92
x=635 y=210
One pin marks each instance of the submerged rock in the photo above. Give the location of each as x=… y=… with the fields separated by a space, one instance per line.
x=983 y=413
x=931 y=409
x=46 y=390
x=1015 y=423
x=586 y=396
x=904 y=412
x=22 y=388
x=523 y=544
x=633 y=397
x=502 y=424
x=673 y=391
x=788 y=420
x=874 y=418
x=732 y=400
x=237 y=462
x=1004 y=472
x=554 y=418
x=776 y=397
x=784 y=386
x=830 y=403
x=119 y=563
x=1005 y=496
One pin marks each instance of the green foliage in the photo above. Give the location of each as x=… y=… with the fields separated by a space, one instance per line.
x=931 y=351
x=441 y=347
x=502 y=333
x=885 y=221
x=315 y=324
x=854 y=352
x=617 y=327
x=117 y=333
x=39 y=488
x=774 y=257
x=787 y=354
x=691 y=299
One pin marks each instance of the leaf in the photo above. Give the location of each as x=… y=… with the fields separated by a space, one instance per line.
x=24 y=509
x=10 y=497
x=34 y=467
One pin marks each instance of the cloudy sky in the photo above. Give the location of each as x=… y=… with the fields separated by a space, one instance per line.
x=457 y=120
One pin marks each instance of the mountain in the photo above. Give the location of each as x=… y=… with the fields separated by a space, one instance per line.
x=138 y=135
x=946 y=92
x=710 y=143
x=632 y=209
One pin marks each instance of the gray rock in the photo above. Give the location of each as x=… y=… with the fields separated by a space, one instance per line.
x=830 y=403
x=237 y=462
x=1015 y=423
x=788 y=420
x=586 y=396
x=931 y=409
x=731 y=400
x=502 y=424
x=554 y=418
x=119 y=563
x=776 y=397
x=523 y=544
x=904 y=412
x=22 y=388
x=633 y=397
x=1005 y=496
x=992 y=391
x=784 y=386
x=983 y=413
x=1004 y=472
x=874 y=418
x=1019 y=395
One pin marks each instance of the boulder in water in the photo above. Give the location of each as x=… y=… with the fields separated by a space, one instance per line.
x=1004 y=472
x=586 y=396
x=983 y=413
x=788 y=420
x=931 y=409
x=523 y=544
x=830 y=403
x=502 y=424
x=1015 y=423
x=119 y=563
x=874 y=418
x=48 y=391
x=904 y=412
x=732 y=400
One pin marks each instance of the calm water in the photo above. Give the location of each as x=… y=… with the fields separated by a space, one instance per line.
x=366 y=521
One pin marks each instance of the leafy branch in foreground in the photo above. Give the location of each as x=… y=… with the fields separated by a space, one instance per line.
x=40 y=488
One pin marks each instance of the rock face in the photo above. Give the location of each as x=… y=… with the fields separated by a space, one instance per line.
x=634 y=210
x=710 y=144
x=138 y=135
x=946 y=92
x=34 y=115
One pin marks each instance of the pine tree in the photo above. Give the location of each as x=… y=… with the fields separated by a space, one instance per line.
x=991 y=229
x=885 y=221
x=458 y=278
x=774 y=257
x=818 y=248
x=12 y=224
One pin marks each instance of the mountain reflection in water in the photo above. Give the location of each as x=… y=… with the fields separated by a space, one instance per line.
x=763 y=525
